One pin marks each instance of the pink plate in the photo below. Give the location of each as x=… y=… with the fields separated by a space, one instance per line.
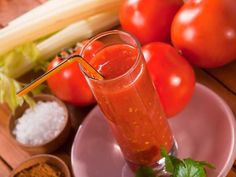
x=205 y=130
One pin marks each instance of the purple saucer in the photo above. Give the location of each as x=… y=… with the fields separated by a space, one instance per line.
x=205 y=130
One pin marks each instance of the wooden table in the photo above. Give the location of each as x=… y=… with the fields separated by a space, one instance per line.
x=221 y=80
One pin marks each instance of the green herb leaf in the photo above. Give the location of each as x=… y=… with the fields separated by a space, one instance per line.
x=189 y=168
x=176 y=167
x=184 y=168
x=170 y=161
x=145 y=171
x=8 y=89
x=206 y=164
x=39 y=89
x=14 y=62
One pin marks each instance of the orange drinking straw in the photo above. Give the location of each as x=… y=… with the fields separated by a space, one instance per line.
x=93 y=72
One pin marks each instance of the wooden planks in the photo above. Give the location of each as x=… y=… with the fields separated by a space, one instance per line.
x=206 y=79
x=226 y=75
x=232 y=173
x=4 y=168
x=9 y=151
x=4 y=113
x=7 y=13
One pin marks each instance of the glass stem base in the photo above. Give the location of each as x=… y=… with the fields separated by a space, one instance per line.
x=158 y=167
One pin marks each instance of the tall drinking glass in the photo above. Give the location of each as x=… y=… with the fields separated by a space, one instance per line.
x=128 y=99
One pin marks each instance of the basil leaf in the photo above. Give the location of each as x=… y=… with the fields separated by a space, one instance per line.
x=190 y=168
x=171 y=162
x=168 y=162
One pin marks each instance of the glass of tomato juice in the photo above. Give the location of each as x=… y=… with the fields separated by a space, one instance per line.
x=128 y=99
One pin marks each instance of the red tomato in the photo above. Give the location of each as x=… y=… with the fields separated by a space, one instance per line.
x=69 y=84
x=205 y=32
x=149 y=20
x=173 y=76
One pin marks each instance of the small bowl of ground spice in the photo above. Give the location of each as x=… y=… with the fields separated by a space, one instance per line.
x=42 y=128
x=43 y=165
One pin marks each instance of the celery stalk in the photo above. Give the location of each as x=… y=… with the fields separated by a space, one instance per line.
x=22 y=59
x=76 y=32
x=52 y=21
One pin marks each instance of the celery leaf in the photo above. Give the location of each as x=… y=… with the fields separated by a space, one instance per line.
x=8 y=90
x=14 y=62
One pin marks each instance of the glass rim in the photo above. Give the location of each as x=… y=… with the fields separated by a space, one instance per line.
x=103 y=34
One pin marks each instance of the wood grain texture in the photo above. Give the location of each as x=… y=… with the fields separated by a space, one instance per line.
x=217 y=87
x=4 y=113
x=4 y=169
x=232 y=173
x=10 y=9
x=226 y=75
x=9 y=151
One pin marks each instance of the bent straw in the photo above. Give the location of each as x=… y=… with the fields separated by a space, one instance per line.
x=93 y=72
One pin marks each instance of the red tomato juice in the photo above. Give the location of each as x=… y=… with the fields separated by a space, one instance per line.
x=129 y=101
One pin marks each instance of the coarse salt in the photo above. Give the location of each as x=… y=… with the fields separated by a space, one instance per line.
x=40 y=124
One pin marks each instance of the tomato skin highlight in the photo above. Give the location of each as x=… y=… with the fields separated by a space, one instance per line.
x=69 y=84
x=205 y=32
x=172 y=75
x=149 y=20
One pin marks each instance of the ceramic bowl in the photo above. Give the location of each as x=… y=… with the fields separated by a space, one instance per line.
x=50 y=145
x=43 y=158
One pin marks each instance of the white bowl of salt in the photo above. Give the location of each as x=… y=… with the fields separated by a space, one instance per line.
x=42 y=128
